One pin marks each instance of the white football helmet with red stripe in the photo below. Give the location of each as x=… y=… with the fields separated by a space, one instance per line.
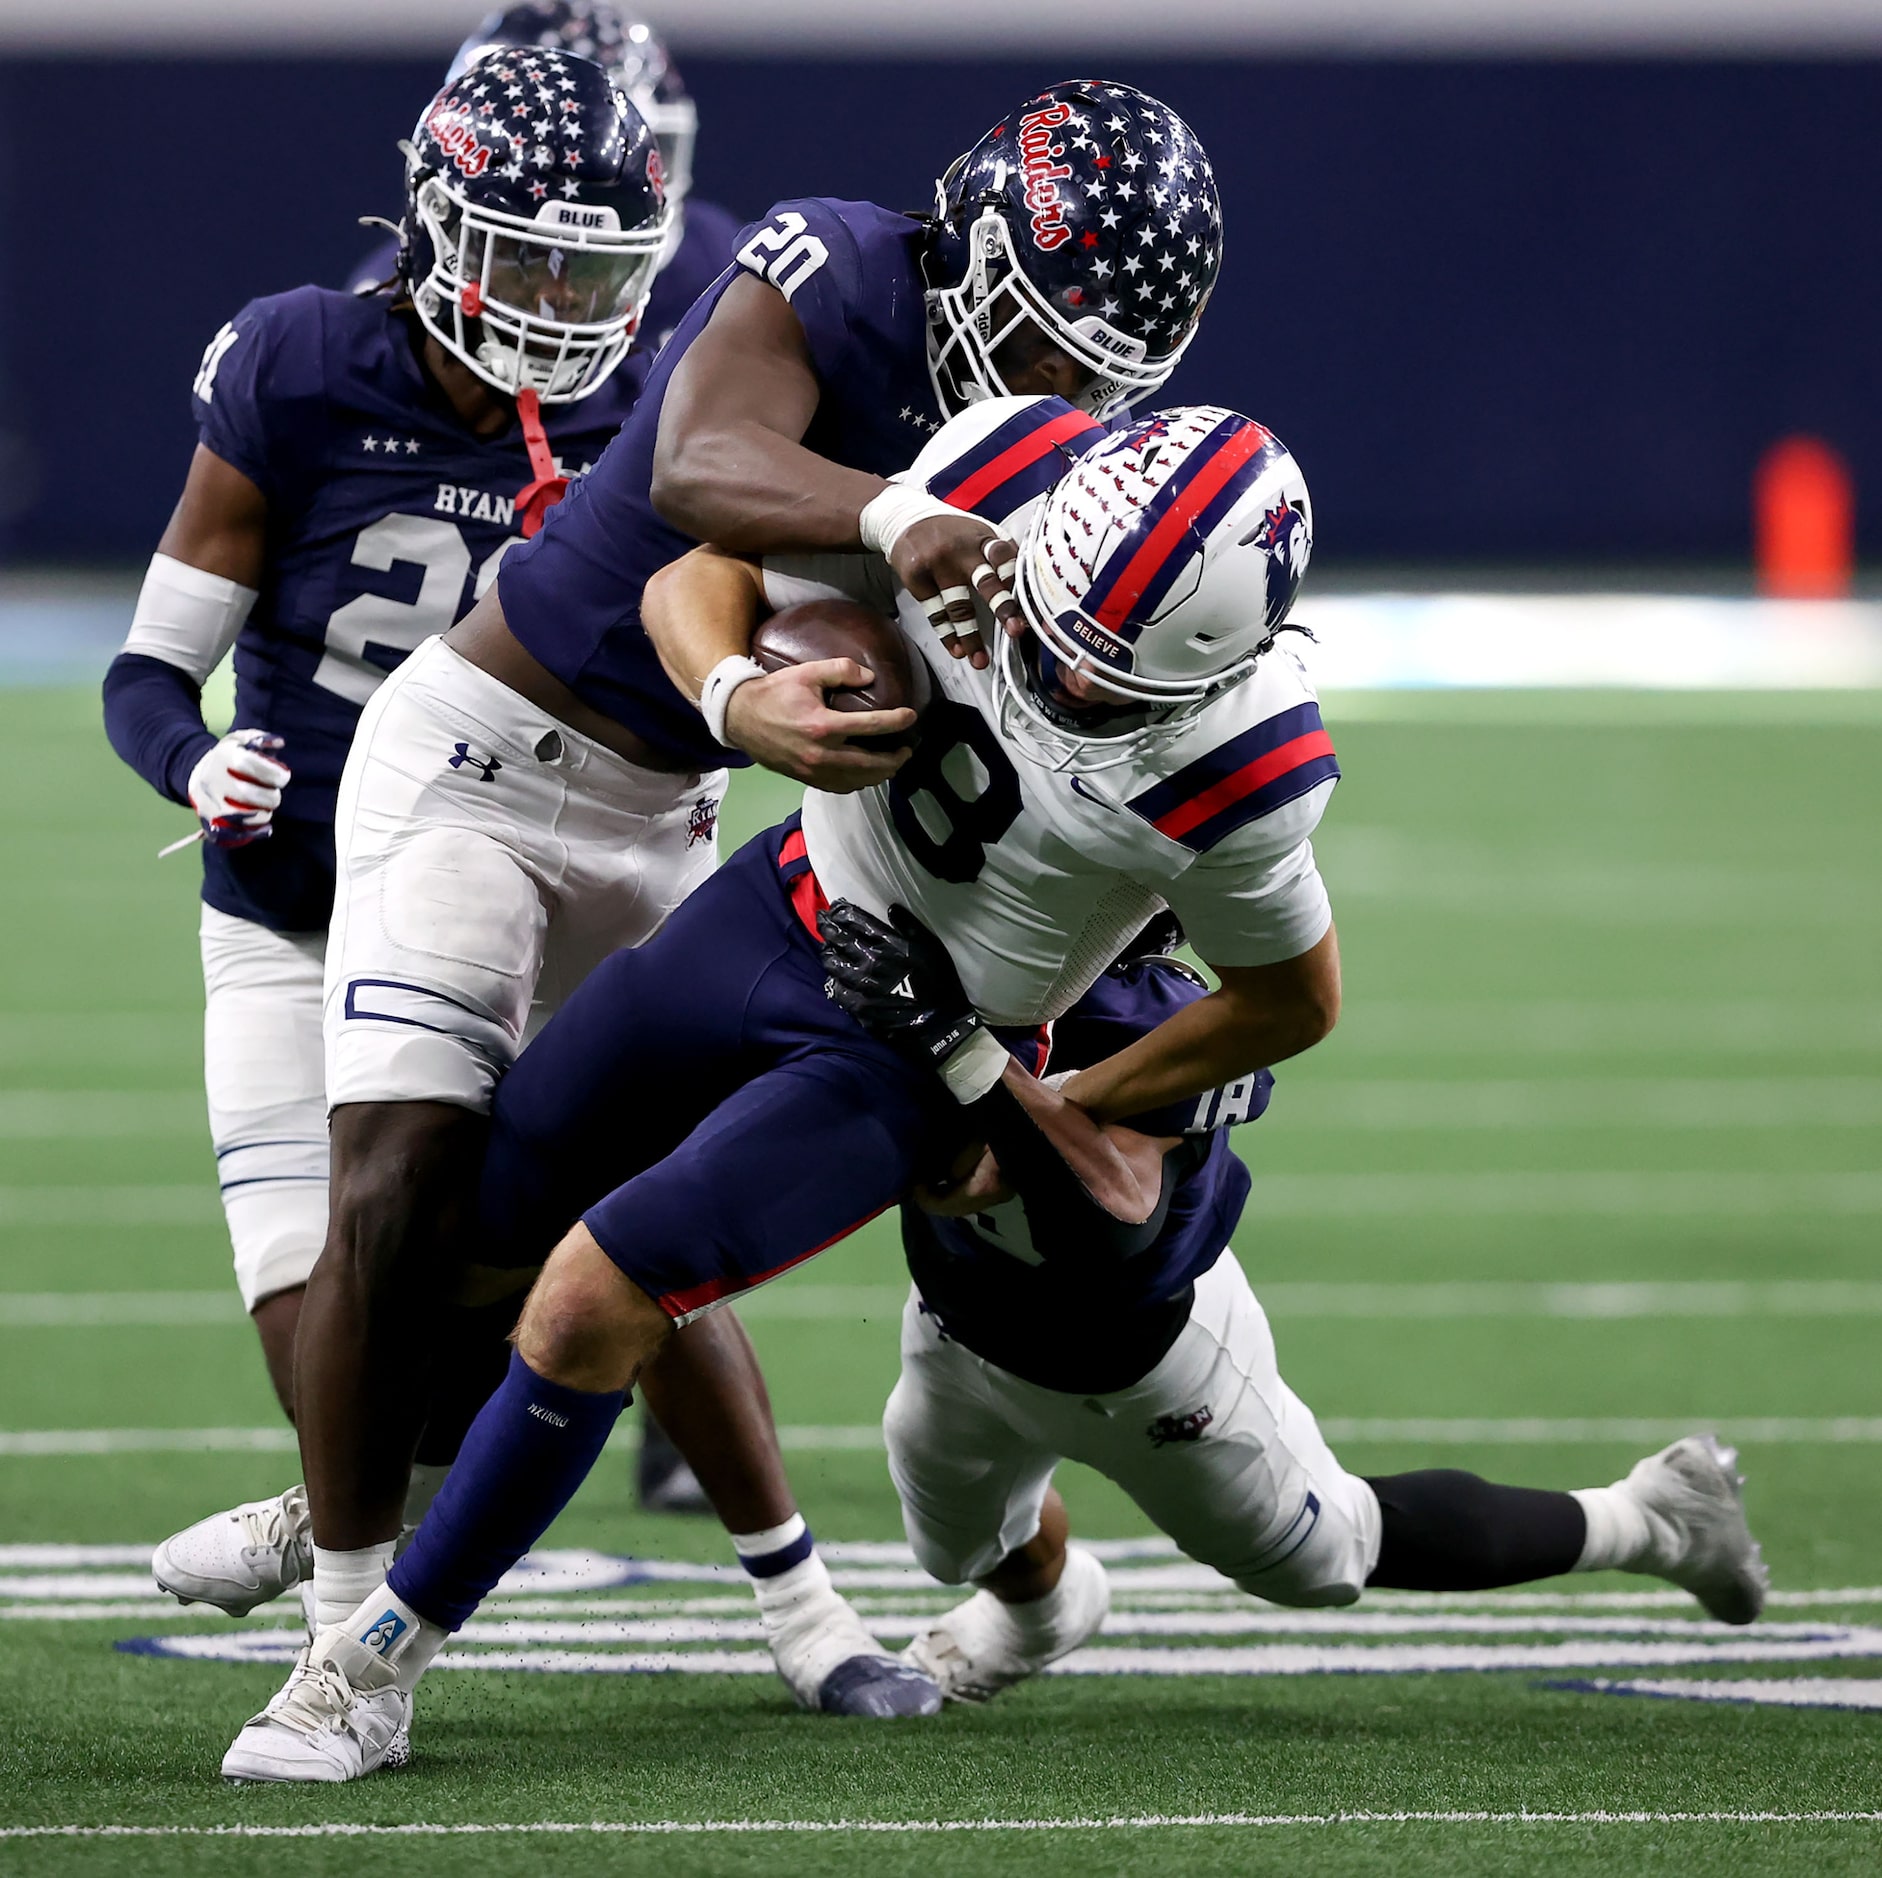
x=1153 y=576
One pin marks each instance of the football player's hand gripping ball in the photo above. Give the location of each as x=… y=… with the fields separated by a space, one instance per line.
x=897 y=981
x=236 y=788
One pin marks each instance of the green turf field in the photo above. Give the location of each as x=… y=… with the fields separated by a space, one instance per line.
x=1593 y=1157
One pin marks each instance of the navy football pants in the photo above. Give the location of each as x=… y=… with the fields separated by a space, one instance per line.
x=701 y=1105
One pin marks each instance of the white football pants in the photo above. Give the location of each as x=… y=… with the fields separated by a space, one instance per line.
x=1212 y=1445
x=489 y=858
x=263 y=1071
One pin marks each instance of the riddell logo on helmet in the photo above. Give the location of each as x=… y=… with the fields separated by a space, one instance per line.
x=457 y=135
x=1039 y=164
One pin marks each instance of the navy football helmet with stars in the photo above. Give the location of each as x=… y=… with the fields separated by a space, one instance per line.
x=535 y=217
x=627 y=49
x=1090 y=213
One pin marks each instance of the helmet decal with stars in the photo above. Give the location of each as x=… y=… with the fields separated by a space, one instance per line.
x=1089 y=214
x=535 y=221
x=633 y=55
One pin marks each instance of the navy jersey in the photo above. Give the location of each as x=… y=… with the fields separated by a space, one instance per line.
x=1089 y=1326
x=708 y=236
x=852 y=275
x=387 y=519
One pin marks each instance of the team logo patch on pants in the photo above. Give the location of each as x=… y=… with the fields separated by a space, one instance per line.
x=702 y=820
x=1168 y=1428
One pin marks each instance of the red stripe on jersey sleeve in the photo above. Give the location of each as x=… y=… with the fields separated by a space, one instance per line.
x=1177 y=822
x=1016 y=457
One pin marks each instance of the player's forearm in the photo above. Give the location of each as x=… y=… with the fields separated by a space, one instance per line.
x=747 y=488
x=1042 y=1141
x=1260 y=1016
x=729 y=465
x=154 y=720
x=700 y=610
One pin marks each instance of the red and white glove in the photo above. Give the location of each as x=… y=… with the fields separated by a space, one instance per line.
x=236 y=788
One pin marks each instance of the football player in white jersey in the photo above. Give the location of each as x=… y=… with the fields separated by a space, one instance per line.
x=1143 y=745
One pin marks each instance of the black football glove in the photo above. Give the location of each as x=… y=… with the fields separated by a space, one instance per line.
x=897 y=981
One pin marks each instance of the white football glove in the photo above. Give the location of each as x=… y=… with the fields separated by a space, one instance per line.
x=236 y=788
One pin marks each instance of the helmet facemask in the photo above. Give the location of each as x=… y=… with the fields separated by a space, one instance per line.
x=548 y=305
x=993 y=301
x=1138 y=715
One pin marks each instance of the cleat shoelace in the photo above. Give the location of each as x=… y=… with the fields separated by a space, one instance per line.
x=318 y=1701
x=272 y=1526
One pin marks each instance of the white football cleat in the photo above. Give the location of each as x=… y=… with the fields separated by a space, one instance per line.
x=833 y=1665
x=982 y=1647
x=1696 y=1516
x=341 y=1715
x=241 y=1558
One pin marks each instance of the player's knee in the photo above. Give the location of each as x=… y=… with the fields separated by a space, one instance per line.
x=397 y=1167
x=586 y=1324
x=1327 y=1569
x=950 y=1555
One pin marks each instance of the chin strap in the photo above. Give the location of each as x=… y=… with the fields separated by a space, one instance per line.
x=536 y=499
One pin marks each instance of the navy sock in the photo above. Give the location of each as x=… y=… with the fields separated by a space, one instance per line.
x=530 y=1447
x=1442 y=1530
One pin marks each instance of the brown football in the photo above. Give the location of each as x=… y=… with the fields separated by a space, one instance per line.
x=844 y=629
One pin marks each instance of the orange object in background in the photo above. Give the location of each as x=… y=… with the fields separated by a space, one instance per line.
x=1804 y=521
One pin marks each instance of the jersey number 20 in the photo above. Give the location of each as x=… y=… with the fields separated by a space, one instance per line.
x=957 y=795
x=784 y=252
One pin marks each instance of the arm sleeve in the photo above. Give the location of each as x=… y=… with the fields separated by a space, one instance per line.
x=154 y=719
x=1257 y=898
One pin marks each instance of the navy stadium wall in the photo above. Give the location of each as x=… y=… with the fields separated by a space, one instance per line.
x=1534 y=311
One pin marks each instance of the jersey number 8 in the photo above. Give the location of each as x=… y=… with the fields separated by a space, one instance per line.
x=956 y=795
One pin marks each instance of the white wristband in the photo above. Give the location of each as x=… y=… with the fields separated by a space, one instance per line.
x=886 y=518
x=975 y=1067
x=716 y=693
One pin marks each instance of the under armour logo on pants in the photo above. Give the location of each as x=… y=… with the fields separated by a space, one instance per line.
x=487 y=764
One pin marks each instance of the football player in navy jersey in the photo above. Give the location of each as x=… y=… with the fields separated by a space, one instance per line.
x=363 y=465
x=1073 y=250
x=1044 y=1325
x=702 y=235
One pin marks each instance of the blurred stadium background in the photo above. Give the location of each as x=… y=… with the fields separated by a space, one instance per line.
x=1533 y=290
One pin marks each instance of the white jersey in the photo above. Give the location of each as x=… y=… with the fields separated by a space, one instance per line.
x=1035 y=878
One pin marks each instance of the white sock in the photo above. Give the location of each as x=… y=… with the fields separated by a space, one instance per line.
x=395 y=1633
x=342 y=1579
x=1619 y=1536
x=423 y=1490
x=786 y=1574
x=1040 y=1621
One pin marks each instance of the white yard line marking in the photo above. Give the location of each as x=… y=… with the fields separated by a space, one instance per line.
x=69 y=1441
x=1567 y=1195
x=1137 y=1822
x=1810 y=1297
x=1763 y=1692
x=1619 y=1102
x=35 y=1310
x=1624 y=1027
x=866 y=1437
x=1705 y=1644
x=101 y=1114
x=1438 y=1299
x=194 y=1204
